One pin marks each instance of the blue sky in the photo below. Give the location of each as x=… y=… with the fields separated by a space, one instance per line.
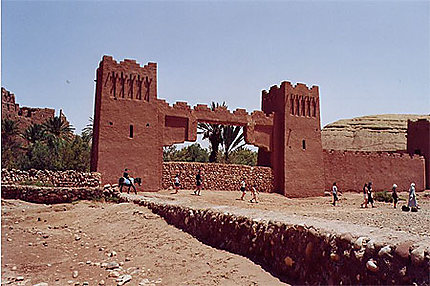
x=366 y=57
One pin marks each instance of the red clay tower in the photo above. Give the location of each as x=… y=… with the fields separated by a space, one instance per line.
x=296 y=158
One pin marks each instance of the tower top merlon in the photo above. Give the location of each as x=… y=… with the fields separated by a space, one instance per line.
x=126 y=63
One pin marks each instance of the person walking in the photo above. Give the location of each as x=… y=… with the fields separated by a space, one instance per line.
x=177 y=184
x=243 y=188
x=334 y=191
x=395 y=195
x=364 y=204
x=412 y=202
x=254 y=193
x=198 y=183
x=369 y=194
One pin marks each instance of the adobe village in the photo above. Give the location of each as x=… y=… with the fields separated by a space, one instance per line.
x=300 y=215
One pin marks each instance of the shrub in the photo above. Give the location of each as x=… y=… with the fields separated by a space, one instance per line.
x=383 y=196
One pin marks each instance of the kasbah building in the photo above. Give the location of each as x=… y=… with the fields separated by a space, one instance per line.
x=131 y=126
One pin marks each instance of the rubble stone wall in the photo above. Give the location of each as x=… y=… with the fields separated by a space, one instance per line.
x=56 y=195
x=301 y=253
x=68 y=178
x=221 y=177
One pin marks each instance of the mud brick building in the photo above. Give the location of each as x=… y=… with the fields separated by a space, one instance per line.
x=131 y=126
x=25 y=116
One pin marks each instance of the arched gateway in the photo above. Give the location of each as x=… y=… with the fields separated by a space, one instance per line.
x=131 y=126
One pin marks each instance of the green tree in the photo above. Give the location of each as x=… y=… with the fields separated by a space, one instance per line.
x=75 y=155
x=213 y=132
x=39 y=156
x=34 y=133
x=243 y=156
x=11 y=147
x=169 y=153
x=191 y=153
x=59 y=127
x=87 y=132
x=9 y=131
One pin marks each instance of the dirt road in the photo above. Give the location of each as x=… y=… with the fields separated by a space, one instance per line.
x=76 y=243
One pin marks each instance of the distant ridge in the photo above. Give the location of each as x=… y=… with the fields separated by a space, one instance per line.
x=383 y=132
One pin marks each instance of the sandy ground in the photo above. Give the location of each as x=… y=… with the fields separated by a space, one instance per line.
x=43 y=243
x=347 y=209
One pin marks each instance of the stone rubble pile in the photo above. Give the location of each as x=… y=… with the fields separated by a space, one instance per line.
x=221 y=177
x=69 y=178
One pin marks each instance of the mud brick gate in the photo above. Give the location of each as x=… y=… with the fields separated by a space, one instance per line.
x=131 y=126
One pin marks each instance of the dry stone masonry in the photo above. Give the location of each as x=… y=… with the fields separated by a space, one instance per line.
x=222 y=177
x=69 y=178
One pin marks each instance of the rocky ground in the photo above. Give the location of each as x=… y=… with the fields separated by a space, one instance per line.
x=93 y=243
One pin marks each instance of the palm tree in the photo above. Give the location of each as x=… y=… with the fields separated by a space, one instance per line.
x=9 y=129
x=59 y=127
x=34 y=133
x=232 y=137
x=213 y=132
x=87 y=132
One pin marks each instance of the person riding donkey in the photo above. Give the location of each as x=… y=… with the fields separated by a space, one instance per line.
x=128 y=181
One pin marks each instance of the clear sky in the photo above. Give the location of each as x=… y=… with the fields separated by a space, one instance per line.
x=366 y=57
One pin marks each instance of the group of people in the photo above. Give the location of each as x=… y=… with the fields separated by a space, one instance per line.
x=254 y=191
x=199 y=183
x=368 y=196
x=127 y=180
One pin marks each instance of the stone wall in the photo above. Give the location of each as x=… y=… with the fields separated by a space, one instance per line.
x=222 y=177
x=68 y=178
x=350 y=170
x=57 y=195
x=301 y=250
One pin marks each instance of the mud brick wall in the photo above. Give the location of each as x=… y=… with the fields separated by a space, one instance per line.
x=222 y=177
x=351 y=169
x=299 y=253
x=68 y=178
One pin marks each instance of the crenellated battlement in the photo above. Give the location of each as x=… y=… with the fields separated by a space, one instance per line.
x=126 y=63
x=287 y=87
x=221 y=115
x=127 y=79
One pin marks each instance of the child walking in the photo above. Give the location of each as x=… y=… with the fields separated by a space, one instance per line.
x=243 y=188
x=334 y=190
x=254 y=193
x=395 y=195
x=177 y=184
x=364 y=204
x=198 y=184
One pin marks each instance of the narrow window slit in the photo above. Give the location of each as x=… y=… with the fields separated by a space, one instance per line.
x=131 y=131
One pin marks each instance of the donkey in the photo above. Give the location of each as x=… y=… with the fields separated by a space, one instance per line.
x=122 y=183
